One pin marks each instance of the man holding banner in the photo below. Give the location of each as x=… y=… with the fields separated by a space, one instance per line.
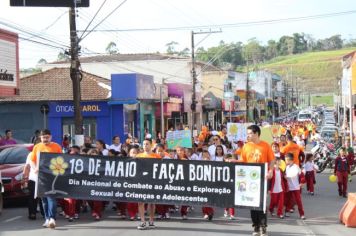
x=49 y=203
x=147 y=153
x=257 y=151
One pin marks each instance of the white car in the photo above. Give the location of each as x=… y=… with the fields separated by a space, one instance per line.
x=304 y=116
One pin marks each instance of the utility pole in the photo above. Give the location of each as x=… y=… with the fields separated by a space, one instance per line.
x=193 y=106
x=351 y=114
x=297 y=92
x=247 y=92
x=76 y=77
x=292 y=83
x=162 y=115
x=272 y=93
x=286 y=95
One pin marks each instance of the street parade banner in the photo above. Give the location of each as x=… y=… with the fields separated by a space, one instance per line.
x=179 y=138
x=151 y=180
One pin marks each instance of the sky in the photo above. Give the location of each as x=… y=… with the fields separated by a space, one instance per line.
x=53 y=24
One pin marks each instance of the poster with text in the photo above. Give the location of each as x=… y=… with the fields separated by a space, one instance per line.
x=179 y=138
x=248 y=185
x=237 y=132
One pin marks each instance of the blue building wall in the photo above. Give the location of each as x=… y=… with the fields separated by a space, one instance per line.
x=22 y=118
x=123 y=87
x=109 y=119
x=117 y=122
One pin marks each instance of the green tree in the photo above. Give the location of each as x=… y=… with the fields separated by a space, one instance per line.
x=300 y=43
x=111 y=48
x=285 y=45
x=171 y=47
x=42 y=61
x=62 y=56
x=253 y=51
x=335 y=41
x=233 y=55
x=271 y=49
x=311 y=43
x=184 y=53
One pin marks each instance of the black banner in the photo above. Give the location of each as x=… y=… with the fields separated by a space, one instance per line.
x=152 y=180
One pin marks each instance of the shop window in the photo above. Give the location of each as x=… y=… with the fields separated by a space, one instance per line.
x=89 y=128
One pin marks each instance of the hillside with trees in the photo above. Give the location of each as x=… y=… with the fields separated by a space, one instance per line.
x=315 y=62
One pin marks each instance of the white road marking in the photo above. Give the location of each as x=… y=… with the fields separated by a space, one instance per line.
x=307 y=231
x=12 y=219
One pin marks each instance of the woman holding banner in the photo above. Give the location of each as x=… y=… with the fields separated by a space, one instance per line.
x=257 y=151
x=163 y=209
x=220 y=156
x=96 y=206
x=132 y=207
x=181 y=155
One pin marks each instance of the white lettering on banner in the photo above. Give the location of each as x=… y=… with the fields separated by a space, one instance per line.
x=137 y=186
x=123 y=169
x=96 y=183
x=211 y=190
x=139 y=196
x=168 y=172
x=174 y=188
x=209 y=173
x=103 y=194
x=94 y=165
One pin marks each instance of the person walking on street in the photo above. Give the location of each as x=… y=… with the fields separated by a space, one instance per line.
x=49 y=203
x=341 y=170
x=257 y=151
x=147 y=153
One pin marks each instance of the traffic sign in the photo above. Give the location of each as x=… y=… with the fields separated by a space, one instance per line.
x=49 y=3
x=44 y=109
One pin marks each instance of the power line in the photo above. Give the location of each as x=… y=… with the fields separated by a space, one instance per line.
x=233 y=25
x=84 y=36
x=41 y=43
x=97 y=12
x=30 y=33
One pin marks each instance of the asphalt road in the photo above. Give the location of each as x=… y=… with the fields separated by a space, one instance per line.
x=321 y=211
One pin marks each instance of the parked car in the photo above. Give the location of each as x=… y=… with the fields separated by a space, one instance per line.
x=330 y=135
x=330 y=127
x=12 y=162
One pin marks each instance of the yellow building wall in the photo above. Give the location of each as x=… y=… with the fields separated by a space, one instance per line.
x=353 y=74
x=213 y=81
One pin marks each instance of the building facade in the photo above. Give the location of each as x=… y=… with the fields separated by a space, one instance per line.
x=9 y=64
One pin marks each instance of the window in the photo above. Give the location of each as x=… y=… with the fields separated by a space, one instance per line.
x=89 y=128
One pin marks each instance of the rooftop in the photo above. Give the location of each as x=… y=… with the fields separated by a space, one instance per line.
x=56 y=85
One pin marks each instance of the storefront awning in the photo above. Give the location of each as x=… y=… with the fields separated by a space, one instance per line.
x=211 y=102
x=235 y=113
x=119 y=102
